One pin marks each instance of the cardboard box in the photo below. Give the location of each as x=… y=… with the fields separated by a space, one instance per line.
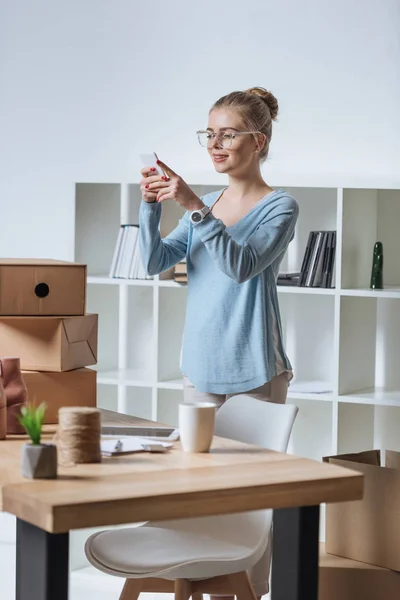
x=368 y=530
x=50 y=343
x=344 y=579
x=42 y=287
x=69 y=388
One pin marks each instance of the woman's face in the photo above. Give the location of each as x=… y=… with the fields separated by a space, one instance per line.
x=243 y=151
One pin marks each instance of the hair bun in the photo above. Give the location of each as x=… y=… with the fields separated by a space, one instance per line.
x=268 y=98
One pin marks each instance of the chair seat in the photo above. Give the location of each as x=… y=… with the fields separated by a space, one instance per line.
x=189 y=549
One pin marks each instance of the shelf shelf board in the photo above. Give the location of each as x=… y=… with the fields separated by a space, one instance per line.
x=325 y=397
x=170 y=384
x=388 y=292
x=374 y=396
x=171 y=283
x=294 y=289
x=128 y=377
x=105 y=280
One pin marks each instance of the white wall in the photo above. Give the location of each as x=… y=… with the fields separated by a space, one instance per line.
x=87 y=84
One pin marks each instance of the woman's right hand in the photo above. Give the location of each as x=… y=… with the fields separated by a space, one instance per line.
x=150 y=175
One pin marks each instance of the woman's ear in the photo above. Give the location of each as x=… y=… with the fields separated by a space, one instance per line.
x=260 y=142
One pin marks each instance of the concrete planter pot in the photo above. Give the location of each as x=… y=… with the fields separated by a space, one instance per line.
x=39 y=461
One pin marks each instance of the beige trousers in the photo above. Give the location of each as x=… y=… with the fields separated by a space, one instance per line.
x=272 y=391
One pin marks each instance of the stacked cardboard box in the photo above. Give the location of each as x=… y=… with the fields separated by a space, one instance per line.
x=43 y=321
x=344 y=579
x=366 y=531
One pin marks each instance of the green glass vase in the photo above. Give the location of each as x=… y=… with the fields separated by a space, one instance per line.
x=377 y=267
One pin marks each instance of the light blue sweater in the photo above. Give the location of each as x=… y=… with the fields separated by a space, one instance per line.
x=232 y=338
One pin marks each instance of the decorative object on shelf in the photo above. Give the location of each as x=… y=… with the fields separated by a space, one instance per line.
x=319 y=259
x=180 y=272
x=3 y=413
x=39 y=461
x=78 y=436
x=377 y=267
x=15 y=391
x=290 y=279
x=126 y=262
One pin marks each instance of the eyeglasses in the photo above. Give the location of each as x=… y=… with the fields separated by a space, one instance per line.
x=224 y=138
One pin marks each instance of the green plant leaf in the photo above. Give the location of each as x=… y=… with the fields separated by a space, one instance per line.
x=31 y=419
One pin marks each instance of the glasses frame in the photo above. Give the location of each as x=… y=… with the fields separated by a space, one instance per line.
x=214 y=136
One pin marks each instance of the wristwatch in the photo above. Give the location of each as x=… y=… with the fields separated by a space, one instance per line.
x=196 y=216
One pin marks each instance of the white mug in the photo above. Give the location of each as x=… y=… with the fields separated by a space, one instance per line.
x=196 y=426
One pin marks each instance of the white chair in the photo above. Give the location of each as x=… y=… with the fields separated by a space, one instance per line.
x=209 y=555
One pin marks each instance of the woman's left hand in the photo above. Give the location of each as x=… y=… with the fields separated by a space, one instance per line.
x=175 y=188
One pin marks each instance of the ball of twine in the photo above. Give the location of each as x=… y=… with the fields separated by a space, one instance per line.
x=78 y=435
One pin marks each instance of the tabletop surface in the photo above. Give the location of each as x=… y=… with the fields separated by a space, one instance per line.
x=233 y=477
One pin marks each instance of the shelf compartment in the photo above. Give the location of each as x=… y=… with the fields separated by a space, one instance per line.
x=369 y=347
x=104 y=301
x=308 y=336
x=107 y=396
x=312 y=431
x=355 y=428
x=363 y=427
x=318 y=211
x=172 y=309
x=139 y=360
x=97 y=221
x=386 y=428
x=168 y=406
x=370 y=216
x=139 y=402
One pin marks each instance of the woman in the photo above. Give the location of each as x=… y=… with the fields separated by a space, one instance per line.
x=234 y=241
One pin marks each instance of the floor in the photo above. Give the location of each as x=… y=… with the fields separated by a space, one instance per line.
x=86 y=584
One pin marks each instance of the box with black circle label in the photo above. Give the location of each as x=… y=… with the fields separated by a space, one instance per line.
x=42 y=287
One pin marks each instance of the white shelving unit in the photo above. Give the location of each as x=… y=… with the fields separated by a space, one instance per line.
x=344 y=341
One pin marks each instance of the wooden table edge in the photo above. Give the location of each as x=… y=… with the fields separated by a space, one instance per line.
x=118 y=511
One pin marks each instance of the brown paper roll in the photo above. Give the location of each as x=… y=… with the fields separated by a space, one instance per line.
x=78 y=436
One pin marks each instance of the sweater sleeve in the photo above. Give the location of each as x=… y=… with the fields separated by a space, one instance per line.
x=269 y=240
x=159 y=254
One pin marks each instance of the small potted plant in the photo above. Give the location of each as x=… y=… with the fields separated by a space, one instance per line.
x=39 y=461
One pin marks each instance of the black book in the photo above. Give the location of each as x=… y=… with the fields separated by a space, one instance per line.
x=306 y=259
x=332 y=259
x=316 y=277
x=329 y=260
x=313 y=258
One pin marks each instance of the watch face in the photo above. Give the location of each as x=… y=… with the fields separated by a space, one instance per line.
x=196 y=216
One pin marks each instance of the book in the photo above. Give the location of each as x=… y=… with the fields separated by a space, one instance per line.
x=126 y=262
x=317 y=267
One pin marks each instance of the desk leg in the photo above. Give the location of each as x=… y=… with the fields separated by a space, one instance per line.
x=295 y=554
x=42 y=564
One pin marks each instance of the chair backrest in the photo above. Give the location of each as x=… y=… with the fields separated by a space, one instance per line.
x=263 y=424
x=252 y=421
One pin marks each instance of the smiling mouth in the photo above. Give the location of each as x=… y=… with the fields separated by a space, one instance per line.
x=219 y=157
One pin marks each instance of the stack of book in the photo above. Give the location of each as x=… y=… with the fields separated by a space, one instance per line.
x=285 y=278
x=126 y=262
x=319 y=259
x=180 y=272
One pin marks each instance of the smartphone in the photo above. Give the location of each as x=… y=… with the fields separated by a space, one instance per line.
x=150 y=159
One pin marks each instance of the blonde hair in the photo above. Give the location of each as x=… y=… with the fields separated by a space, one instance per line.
x=258 y=108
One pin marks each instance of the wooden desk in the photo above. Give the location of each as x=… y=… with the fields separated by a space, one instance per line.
x=233 y=477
